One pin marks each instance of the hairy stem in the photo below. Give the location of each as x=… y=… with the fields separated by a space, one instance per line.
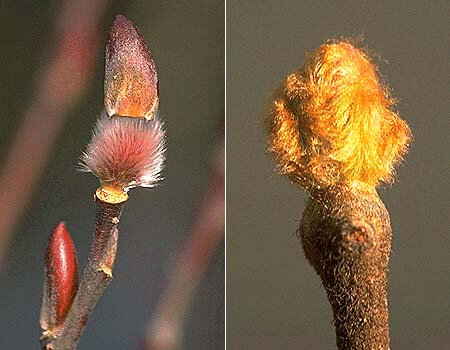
x=96 y=277
x=346 y=236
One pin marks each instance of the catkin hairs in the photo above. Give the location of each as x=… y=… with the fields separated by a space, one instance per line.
x=323 y=115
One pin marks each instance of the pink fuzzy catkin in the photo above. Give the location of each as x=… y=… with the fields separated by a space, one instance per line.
x=126 y=152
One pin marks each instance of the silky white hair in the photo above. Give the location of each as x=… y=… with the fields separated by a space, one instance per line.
x=126 y=152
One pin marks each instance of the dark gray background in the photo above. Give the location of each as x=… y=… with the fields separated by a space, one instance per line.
x=274 y=299
x=187 y=41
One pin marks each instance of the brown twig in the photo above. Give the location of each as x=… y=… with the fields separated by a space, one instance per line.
x=346 y=236
x=96 y=277
x=124 y=152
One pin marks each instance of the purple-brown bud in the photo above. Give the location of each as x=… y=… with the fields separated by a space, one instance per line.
x=61 y=278
x=131 y=81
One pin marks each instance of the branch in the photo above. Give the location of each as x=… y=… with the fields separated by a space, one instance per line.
x=125 y=151
x=57 y=90
x=332 y=130
x=346 y=236
x=96 y=277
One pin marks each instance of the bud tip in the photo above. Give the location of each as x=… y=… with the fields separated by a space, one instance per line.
x=131 y=80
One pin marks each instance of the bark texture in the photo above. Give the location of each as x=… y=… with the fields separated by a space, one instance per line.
x=346 y=236
x=96 y=277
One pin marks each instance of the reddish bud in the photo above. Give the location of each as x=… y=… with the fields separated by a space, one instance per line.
x=61 y=278
x=131 y=81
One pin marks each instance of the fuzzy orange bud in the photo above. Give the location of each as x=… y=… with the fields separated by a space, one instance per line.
x=131 y=81
x=332 y=121
x=61 y=278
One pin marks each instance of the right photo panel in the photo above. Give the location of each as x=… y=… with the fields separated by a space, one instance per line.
x=337 y=175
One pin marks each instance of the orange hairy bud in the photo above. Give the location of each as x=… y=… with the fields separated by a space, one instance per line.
x=131 y=81
x=331 y=122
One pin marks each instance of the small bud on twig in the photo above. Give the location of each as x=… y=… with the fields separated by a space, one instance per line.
x=61 y=278
x=131 y=81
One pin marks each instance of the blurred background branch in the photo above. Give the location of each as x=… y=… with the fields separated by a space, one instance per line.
x=57 y=89
x=165 y=330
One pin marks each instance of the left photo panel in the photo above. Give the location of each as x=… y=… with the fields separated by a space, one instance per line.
x=112 y=175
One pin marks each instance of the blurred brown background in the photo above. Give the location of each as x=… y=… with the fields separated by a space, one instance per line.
x=186 y=39
x=274 y=298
